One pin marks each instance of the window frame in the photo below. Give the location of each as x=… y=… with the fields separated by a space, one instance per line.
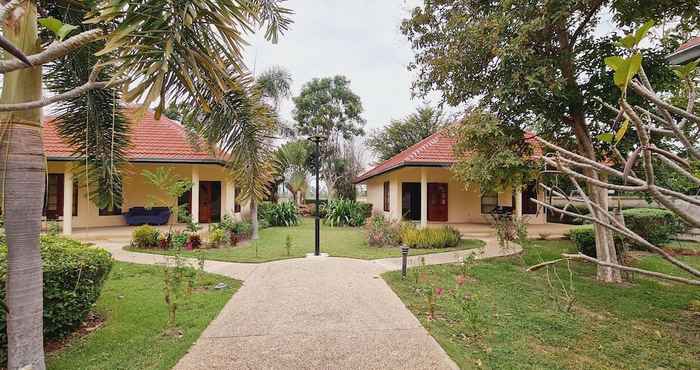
x=387 y=190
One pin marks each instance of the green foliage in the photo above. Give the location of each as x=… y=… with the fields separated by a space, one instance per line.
x=145 y=236
x=328 y=105
x=52 y=228
x=241 y=229
x=491 y=154
x=584 y=239
x=344 y=212
x=402 y=133
x=73 y=276
x=178 y=240
x=657 y=226
x=217 y=236
x=443 y=237
x=382 y=232
x=279 y=214
x=92 y=123
x=179 y=34
x=60 y=29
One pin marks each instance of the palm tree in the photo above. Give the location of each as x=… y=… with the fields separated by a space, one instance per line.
x=292 y=159
x=275 y=83
x=241 y=126
x=161 y=50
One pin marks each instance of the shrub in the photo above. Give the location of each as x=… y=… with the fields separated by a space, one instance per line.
x=264 y=209
x=145 y=236
x=366 y=209
x=73 y=277
x=657 y=226
x=584 y=238
x=194 y=241
x=444 y=237
x=282 y=214
x=344 y=212
x=381 y=232
x=217 y=236
x=178 y=240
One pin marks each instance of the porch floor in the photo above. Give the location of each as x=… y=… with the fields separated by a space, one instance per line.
x=122 y=233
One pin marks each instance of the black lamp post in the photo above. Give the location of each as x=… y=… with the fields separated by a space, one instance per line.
x=317 y=139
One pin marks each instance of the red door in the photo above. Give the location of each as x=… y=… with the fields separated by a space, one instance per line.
x=437 y=202
x=53 y=203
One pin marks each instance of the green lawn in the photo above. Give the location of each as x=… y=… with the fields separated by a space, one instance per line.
x=135 y=315
x=336 y=241
x=506 y=318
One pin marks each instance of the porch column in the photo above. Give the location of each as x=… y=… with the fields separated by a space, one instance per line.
x=423 y=197
x=195 y=194
x=518 y=204
x=228 y=199
x=67 y=202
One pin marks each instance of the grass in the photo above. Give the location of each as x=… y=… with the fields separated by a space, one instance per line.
x=336 y=241
x=135 y=315
x=505 y=317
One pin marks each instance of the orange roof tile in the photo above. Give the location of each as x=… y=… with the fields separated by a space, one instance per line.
x=162 y=140
x=435 y=150
x=690 y=43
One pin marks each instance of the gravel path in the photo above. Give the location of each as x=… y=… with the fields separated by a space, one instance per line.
x=314 y=313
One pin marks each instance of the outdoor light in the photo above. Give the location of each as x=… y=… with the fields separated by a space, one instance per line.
x=317 y=138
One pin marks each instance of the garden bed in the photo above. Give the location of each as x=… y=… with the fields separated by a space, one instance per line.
x=336 y=241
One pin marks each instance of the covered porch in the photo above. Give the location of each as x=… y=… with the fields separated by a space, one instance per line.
x=213 y=195
x=430 y=195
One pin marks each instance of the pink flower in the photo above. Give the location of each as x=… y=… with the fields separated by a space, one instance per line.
x=439 y=291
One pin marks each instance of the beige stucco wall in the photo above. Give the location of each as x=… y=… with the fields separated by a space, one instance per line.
x=138 y=192
x=464 y=204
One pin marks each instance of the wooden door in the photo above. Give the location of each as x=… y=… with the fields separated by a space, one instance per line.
x=437 y=202
x=53 y=203
x=205 y=197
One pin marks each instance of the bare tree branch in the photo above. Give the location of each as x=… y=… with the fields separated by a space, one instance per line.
x=53 y=51
x=631 y=269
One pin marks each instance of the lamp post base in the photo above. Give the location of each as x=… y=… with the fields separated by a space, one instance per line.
x=313 y=255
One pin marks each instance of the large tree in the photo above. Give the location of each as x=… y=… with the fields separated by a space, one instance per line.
x=402 y=133
x=160 y=50
x=535 y=64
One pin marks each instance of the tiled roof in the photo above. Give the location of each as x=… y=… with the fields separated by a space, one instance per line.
x=151 y=140
x=435 y=150
x=690 y=43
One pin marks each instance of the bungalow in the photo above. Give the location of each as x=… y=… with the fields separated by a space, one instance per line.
x=417 y=185
x=154 y=143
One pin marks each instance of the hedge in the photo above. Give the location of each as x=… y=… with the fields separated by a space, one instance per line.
x=443 y=237
x=657 y=226
x=73 y=277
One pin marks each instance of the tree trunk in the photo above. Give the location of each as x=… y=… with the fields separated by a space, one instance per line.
x=254 y=218
x=23 y=176
x=605 y=244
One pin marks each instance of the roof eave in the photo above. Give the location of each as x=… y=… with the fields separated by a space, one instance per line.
x=363 y=178
x=148 y=160
x=685 y=55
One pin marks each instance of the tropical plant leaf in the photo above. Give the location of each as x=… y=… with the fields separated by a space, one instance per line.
x=622 y=131
x=606 y=137
x=60 y=29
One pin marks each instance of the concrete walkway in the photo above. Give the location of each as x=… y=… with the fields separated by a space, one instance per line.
x=314 y=313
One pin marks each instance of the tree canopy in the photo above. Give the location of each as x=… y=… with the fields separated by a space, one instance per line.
x=402 y=133
x=329 y=105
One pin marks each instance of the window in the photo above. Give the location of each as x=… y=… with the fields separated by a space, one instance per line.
x=489 y=202
x=386 y=196
x=236 y=203
x=114 y=211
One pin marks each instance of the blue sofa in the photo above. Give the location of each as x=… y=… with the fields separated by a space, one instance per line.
x=150 y=216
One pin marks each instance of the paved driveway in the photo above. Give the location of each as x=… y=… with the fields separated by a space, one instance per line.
x=312 y=313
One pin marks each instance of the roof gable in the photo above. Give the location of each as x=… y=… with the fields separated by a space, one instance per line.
x=161 y=140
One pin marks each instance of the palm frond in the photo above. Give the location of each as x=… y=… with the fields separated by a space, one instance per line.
x=183 y=50
x=92 y=123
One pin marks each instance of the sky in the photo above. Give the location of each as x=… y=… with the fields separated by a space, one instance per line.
x=360 y=39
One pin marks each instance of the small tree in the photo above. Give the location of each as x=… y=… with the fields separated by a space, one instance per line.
x=174 y=187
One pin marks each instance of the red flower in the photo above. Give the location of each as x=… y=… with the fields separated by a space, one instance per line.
x=439 y=291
